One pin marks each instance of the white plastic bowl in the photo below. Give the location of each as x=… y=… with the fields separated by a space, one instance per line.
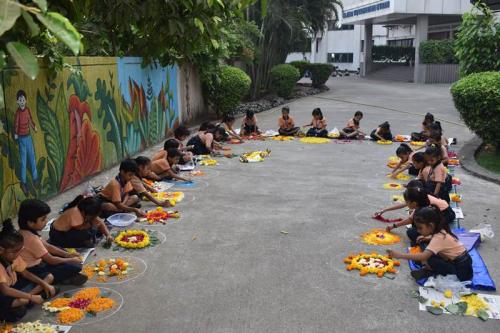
x=122 y=219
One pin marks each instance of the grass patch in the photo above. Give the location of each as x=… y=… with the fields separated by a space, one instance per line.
x=489 y=159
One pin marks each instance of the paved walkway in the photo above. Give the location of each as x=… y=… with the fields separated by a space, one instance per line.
x=225 y=266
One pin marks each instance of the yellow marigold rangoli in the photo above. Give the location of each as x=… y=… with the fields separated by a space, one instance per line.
x=417 y=143
x=371 y=263
x=174 y=197
x=283 y=138
x=384 y=142
x=209 y=162
x=400 y=176
x=75 y=307
x=313 y=140
x=393 y=186
x=455 y=197
x=380 y=237
x=255 y=156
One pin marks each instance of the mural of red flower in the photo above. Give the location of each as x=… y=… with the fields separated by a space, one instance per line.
x=89 y=156
x=138 y=96
x=72 y=174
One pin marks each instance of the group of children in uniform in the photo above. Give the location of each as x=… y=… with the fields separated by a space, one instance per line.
x=428 y=199
x=30 y=267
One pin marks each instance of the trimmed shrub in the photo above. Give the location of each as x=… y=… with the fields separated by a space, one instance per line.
x=394 y=53
x=232 y=85
x=437 y=52
x=320 y=74
x=283 y=79
x=301 y=65
x=477 y=99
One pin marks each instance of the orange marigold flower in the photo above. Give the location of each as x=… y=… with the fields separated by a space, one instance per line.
x=100 y=304
x=88 y=293
x=60 y=302
x=70 y=316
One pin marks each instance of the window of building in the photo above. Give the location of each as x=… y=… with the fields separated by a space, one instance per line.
x=332 y=26
x=318 y=41
x=340 y=57
x=400 y=42
x=362 y=45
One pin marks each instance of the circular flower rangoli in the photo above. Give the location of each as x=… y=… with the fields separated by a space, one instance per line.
x=313 y=140
x=371 y=263
x=380 y=237
x=393 y=186
x=133 y=239
x=283 y=138
x=159 y=216
x=417 y=143
x=384 y=142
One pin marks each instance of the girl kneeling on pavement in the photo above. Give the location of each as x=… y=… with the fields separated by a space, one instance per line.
x=444 y=255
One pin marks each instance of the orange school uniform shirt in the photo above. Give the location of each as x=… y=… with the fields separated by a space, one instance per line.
x=8 y=275
x=438 y=173
x=71 y=217
x=351 y=124
x=286 y=124
x=33 y=250
x=445 y=245
x=160 y=166
x=319 y=123
x=162 y=154
x=114 y=191
x=138 y=185
x=423 y=174
x=250 y=122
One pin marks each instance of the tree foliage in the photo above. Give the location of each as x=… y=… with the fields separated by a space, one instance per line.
x=282 y=23
x=477 y=43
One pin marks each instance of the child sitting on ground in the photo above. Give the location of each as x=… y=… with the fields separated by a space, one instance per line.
x=419 y=164
x=436 y=179
x=227 y=124
x=426 y=125
x=206 y=141
x=79 y=225
x=287 y=123
x=405 y=154
x=16 y=282
x=116 y=196
x=318 y=125
x=352 y=131
x=249 y=125
x=142 y=189
x=382 y=132
x=167 y=168
x=181 y=133
x=169 y=144
x=444 y=255
x=40 y=256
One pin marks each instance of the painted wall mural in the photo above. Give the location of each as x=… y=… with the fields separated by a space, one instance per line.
x=58 y=130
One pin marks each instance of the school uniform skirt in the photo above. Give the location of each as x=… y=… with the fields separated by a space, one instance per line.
x=61 y=272
x=73 y=238
x=317 y=132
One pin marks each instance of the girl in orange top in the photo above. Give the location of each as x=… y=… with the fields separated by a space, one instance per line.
x=318 y=125
x=249 y=125
x=79 y=225
x=227 y=123
x=382 y=132
x=40 y=256
x=415 y=198
x=116 y=197
x=437 y=182
x=352 y=131
x=14 y=277
x=287 y=123
x=142 y=189
x=444 y=255
x=181 y=133
x=405 y=154
x=167 y=167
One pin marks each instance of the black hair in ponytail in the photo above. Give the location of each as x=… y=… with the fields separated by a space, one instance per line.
x=9 y=236
x=29 y=211
x=418 y=195
x=403 y=149
x=89 y=206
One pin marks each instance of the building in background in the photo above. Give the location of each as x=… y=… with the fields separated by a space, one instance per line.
x=386 y=22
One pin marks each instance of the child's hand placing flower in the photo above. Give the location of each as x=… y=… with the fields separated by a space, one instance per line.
x=394 y=254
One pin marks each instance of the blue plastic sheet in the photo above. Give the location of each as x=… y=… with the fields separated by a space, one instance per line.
x=481 y=279
x=182 y=184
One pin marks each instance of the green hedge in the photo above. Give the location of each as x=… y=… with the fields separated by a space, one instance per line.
x=477 y=99
x=301 y=65
x=231 y=86
x=394 y=53
x=437 y=52
x=283 y=79
x=320 y=73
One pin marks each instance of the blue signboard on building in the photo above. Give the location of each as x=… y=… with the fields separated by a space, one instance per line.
x=366 y=9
